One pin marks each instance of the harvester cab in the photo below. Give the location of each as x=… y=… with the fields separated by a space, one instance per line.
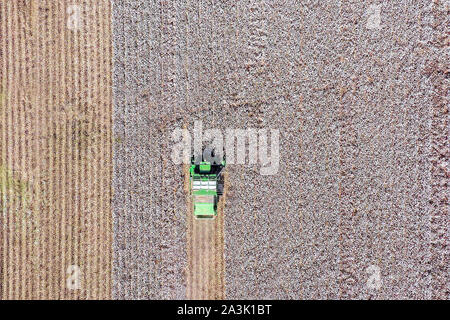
x=206 y=181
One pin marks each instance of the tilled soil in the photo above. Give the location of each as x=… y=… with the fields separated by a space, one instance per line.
x=55 y=150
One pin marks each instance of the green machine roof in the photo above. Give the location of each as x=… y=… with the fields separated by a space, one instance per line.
x=204 y=209
x=205 y=167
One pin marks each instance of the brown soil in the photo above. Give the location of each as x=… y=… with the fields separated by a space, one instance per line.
x=55 y=150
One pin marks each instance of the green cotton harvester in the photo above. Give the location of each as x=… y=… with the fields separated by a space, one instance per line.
x=206 y=183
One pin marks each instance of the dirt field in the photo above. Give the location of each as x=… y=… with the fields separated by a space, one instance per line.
x=55 y=128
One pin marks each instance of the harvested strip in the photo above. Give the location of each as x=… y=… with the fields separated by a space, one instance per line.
x=55 y=88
